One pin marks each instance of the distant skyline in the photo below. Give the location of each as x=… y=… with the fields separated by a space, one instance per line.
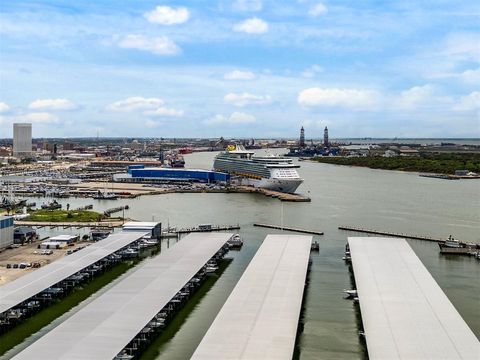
x=243 y=68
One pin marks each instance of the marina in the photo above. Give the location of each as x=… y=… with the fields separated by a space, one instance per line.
x=262 y=312
x=132 y=311
x=405 y=313
x=330 y=329
x=35 y=289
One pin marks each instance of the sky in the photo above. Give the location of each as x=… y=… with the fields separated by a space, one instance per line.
x=241 y=68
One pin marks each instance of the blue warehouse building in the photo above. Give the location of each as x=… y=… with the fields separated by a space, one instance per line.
x=138 y=173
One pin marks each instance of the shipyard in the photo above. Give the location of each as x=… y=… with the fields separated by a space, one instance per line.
x=239 y=180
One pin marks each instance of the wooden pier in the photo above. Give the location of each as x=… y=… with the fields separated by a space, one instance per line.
x=388 y=233
x=277 y=227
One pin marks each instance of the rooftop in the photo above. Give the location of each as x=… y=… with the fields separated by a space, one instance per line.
x=405 y=314
x=260 y=317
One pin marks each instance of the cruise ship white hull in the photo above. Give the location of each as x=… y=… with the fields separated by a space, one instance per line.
x=282 y=185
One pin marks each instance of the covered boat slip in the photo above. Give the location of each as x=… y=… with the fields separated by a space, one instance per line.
x=23 y=288
x=259 y=319
x=105 y=326
x=405 y=314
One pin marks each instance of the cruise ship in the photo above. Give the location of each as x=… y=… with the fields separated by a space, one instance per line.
x=269 y=172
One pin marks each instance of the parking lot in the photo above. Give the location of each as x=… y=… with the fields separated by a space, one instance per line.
x=29 y=256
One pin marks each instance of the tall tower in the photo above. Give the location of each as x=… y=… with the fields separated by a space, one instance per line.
x=22 y=139
x=302 y=137
x=325 y=137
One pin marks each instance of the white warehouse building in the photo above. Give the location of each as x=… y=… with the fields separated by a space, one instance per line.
x=22 y=139
x=6 y=231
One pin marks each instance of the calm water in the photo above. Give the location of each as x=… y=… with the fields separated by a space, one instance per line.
x=395 y=201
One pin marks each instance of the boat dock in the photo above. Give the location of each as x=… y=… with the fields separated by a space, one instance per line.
x=78 y=225
x=260 y=317
x=405 y=313
x=286 y=228
x=125 y=317
x=387 y=233
x=33 y=283
x=208 y=228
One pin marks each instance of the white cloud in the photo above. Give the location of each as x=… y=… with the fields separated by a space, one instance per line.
x=4 y=107
x=235 y=118
x=247 y=99
x=239 y=75
x=312 y=71
x=159 y=45
x=38 y=117
x=471 y=76
x=252 y=26
x=415 y=97
x=247 y=5
x=469 y=102
x=317 y=10
x=166 y=15
x=52 y=104
x=352 y=98
x=164 y=111
x=136 y=103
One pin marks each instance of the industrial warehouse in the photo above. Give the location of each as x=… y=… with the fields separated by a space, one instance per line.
x=141 y=174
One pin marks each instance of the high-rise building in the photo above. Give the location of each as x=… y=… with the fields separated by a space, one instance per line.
x=302 y=137
x=22 y=139
x=325 y=137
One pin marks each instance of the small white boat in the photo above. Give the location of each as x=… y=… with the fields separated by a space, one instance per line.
x=211 y=269
x=351 y=293
x=123 y=356
x=235 y=242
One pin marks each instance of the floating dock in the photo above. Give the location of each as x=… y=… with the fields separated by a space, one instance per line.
x=109 y=323
x=388 y=233
x=277 y=227
x=31 y=284
x=260 y=317
x=405 y=314
x=209 y=229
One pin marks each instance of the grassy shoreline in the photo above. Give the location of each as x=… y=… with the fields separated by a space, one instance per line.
x=65 y=216
x=425 y=163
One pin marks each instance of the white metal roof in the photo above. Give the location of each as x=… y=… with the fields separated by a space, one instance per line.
x=36 y=281
x=105 y=326
x=63 y=237
x=405 y=314
x=259 y=319
x=140 y=224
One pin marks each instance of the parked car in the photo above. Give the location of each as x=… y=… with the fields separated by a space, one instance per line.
x=15 y=266
x=9 y=266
